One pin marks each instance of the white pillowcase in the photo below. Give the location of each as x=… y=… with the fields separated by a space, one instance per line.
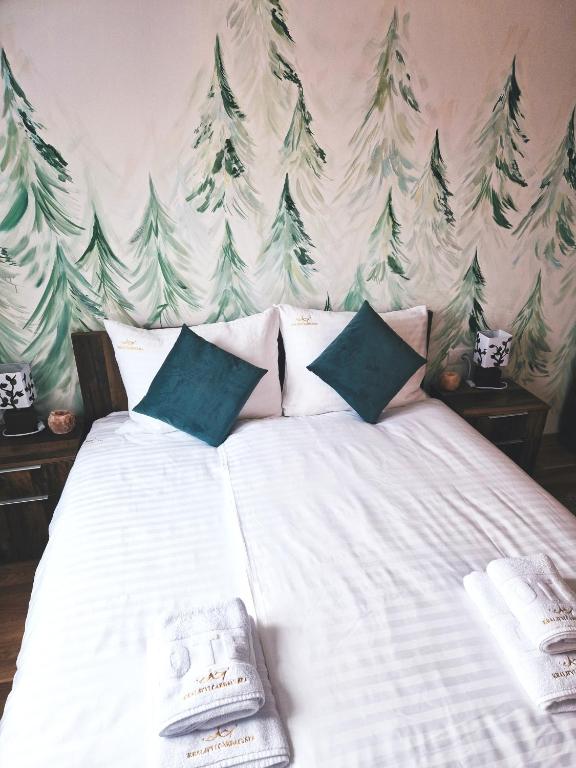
x=140 y=354
x=306 y=334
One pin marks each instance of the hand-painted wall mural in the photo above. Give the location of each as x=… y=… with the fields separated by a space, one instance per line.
x=193 y=162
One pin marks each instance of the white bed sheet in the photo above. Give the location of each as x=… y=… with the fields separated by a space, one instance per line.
x=349 y=541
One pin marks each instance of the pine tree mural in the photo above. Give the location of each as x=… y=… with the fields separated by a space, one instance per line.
x=563 y=367
x=382 y=144
x=68 y=303
x=231 y=286
x=35 y=181
x=285 y=262
x=463 y=317
x=433 y=245
x=222 y=150
x=106 y=271
x=303 y=157
x=327 y=304
x=11 y=313
x=261 y=30
x=386 y=261
x=530 y=348
x=156 y=280
x=495 y=170
x=358 y=292
x=551 y=219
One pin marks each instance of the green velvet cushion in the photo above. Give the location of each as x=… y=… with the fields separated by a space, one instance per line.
x=200 y=388
x=367 y=363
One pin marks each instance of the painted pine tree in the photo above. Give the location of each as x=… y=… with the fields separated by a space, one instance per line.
x=106 y=271
x=35 y=181
x=327 y=304
x=433 y=246
x=358 y=292
x=222 y=150
x=68 y=303
x=495 y=173
x=156 y=281
x=563 y=366
x=387 y=263
x=551 y=220
x=303 y=158
x=530 y=349
x=285 y=262
x=265 y=43
x=462 y=318
x=382 y=145
x=231 y=286
x=11 y=313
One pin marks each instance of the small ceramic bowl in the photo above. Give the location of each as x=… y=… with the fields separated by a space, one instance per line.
x=449 y=381
x=61 y=422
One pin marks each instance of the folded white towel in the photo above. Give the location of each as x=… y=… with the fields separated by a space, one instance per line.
x=539 y=598
x=254 y=742
x=204 y=671
x=549 y=680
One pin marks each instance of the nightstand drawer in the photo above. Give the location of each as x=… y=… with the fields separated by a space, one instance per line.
x=505 y=429
x=20 y=484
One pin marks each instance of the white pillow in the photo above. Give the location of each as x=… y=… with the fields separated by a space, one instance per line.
x=306 y=334
x=140 y=354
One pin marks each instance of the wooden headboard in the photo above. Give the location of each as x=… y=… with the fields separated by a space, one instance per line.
x=100 y=381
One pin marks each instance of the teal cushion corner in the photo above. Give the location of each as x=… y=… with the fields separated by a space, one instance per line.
x=367 y=363
x=200 y=388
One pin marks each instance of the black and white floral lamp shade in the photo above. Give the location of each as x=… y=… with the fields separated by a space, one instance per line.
x=491 y=354
x=16 y=386
x=17 y=396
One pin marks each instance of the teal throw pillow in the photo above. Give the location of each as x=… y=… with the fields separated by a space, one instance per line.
x=200 y=388
x=367 y=363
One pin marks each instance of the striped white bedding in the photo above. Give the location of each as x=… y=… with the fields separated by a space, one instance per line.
x=349 y=541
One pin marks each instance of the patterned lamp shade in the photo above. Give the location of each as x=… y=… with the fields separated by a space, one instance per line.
x=16 y=386
x=492 y=349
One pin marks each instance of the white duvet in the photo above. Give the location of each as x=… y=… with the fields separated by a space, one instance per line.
x=348 y=541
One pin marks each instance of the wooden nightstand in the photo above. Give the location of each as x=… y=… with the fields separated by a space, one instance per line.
x=513 y=418
x=33 y=471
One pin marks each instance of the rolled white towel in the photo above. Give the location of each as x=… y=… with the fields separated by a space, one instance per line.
x=254 y=742
x=539 y=598
x=203 y=670
x=549 y=680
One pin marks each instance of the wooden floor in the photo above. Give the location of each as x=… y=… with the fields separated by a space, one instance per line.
x=555 y=471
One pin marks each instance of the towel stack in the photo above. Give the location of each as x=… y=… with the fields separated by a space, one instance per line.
x=211 y=694
x=531 y=612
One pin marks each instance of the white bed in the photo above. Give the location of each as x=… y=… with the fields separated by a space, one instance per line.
x=349 y=543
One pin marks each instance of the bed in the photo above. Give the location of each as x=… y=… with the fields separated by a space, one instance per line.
x=347 y=541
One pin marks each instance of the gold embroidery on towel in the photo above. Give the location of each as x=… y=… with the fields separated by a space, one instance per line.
x=220 y=733
x=304 y=319
x=213 y=676
x=225 y=742
x=215 y=686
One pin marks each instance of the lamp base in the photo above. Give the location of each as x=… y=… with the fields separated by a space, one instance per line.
x=487 y=378
x=20 y=421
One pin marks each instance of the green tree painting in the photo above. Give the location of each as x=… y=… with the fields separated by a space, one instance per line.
x=387 y=263
x=462 y=318
x=11 y=312
x=530 y=349
x=68 y=303
x=382 y=145
x=35 y=181
x=156 y=282
x=261 y=30
x=222 y=150
x=563 y=366
x=432 y=246
x=357 y=293
x=551 y=220
x=230 y=284
x=495 y=174
x=303 y=158
x=106 y=272
x=285 y=262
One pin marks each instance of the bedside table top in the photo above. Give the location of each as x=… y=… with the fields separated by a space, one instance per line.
x=44 y=446
x=470 y=401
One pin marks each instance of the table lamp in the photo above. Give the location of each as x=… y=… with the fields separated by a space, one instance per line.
x=17 y=395
x=491 y=354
